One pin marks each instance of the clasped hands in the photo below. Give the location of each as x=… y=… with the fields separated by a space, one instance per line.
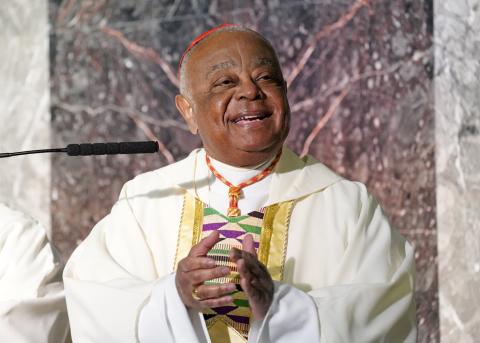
x=197 y=268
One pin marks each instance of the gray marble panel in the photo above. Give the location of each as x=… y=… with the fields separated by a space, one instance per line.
x=24 y=106
x=457 y=90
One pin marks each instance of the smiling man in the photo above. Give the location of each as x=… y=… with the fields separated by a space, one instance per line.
x=234 y=94
x=242 y=240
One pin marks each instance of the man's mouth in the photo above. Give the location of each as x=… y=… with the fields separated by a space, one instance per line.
x=251 y=117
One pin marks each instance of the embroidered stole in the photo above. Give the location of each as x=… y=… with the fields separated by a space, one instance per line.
x=269 y=228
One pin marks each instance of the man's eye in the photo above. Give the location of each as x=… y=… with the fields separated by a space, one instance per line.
x=224 y=82
x=265 y=77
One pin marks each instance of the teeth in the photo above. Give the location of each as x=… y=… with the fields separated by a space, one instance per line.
x=250 y=118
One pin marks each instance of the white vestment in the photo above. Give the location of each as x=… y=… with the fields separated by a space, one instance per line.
x=348 y=277
x=32 y=303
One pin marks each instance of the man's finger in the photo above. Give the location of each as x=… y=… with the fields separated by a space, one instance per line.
x=194 y=263
x=246 y=287
x=248 y=245
x=217 y=302
x=235 y=255
x=199 y=276
x=204 y=246
x=254 y=266
x=214 y=291
x=244 y=272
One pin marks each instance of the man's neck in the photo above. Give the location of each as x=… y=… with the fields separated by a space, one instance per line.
x=221 y=166
x=215 y=193
x=245 y=160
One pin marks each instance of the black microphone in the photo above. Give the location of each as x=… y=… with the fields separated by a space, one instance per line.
x=96 y=149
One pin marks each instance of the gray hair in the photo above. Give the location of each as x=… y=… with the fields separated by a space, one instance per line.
x=183 y=68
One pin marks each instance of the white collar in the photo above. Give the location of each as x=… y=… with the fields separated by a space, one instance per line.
x=234 y=174
x=215 y=192
x=292 y=178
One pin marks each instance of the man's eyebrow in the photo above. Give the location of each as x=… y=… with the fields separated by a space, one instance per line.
x=221 y=65
x=261 y=61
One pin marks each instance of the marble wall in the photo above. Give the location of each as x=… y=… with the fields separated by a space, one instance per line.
x=360 y=75
x=457 y=86
x=24 y=106
x=362 y=81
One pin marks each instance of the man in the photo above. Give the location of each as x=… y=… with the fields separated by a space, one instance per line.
x=242 y=240
x=32 y=304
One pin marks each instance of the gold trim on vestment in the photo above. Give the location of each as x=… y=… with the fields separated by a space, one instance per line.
x=221 y=333
x=190 y=227
x=273 y=244
x=271 y=251
x=266 y=233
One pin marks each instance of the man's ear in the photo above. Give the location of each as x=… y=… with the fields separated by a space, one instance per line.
x=186 y=110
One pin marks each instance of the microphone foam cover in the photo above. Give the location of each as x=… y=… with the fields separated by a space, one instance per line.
x=112 y=148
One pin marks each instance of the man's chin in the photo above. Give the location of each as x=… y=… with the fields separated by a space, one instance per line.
x=249 y=154
x=262 y=147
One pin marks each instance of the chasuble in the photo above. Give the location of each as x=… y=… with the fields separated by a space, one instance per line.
x=341 y=273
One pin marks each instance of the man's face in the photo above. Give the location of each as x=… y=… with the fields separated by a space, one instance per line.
x=238 y=98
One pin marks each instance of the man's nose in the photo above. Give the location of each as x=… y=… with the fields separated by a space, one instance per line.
x=249 y=90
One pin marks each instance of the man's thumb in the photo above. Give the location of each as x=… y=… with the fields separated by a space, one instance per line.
x=204 y=246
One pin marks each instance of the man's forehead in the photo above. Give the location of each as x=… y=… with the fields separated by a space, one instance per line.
x=225 y=48
x=228 y=64
x=208 y=35
x=231 y=39
x=256 y=61
x=222 y=51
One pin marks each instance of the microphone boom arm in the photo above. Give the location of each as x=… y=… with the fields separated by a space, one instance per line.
x=28 y=152
x=95 y=149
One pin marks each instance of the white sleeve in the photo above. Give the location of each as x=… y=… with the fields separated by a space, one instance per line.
x=345 y=313
x=103 y=297
x=292 y=317
x=114 y=292
x=166 y=319
x=32 y=303
x=370 y=298
x=370 y=312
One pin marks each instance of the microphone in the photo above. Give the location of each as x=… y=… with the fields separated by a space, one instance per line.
x=145 y=147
